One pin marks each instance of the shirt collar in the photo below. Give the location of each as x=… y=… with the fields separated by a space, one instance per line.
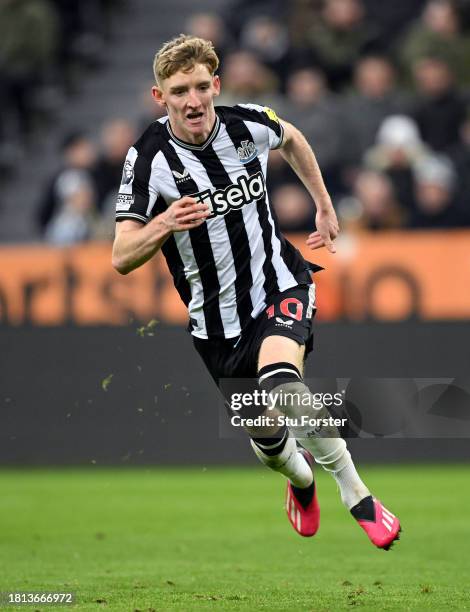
x=197 y=147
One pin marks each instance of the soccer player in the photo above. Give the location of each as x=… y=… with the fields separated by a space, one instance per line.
x=194 y=186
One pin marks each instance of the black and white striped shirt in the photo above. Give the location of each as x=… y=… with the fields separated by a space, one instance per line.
x=224 y=269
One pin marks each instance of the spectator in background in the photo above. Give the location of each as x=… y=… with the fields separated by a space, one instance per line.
x=149 y=110
x=84 y=25
x=74 y=221
x=78 y=156
x=269 y=40
x=438 y=34
x=435 y=192
x=397 y=150
x=210 y=26
x=241 y=11
x=375 y=97
x=315 y=111
x=301 y=14
x=28 y=41
x=293 y=207
x=339 y=38
x=117 y=135
x=392 y=17
x=460 y=156
x=440 y=109
x=245 y=78
x=279 y=172
x=373 y=205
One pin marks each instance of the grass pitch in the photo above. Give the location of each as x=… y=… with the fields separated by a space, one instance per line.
x=218 y=539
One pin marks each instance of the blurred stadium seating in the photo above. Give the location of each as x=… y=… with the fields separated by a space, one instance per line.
x=373 y=88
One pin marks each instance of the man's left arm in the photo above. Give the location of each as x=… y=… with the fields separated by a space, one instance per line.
x=299 y=155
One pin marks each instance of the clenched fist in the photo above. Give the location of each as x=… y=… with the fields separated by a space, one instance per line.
x=184 y=214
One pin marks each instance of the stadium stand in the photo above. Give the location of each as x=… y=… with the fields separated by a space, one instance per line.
x=386 y=112
x=94 y=95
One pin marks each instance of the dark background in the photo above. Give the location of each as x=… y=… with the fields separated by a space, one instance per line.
x=160 y=406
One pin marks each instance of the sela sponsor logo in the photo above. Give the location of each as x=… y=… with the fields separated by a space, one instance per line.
x=245 y=190
x=181 y=177
x=124 y=201
x=127 y=173
x=281 y=323
x=247 y=151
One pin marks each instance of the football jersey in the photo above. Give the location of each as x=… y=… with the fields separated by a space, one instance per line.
x=225 y=268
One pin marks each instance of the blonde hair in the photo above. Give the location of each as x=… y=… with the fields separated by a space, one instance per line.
x=183 y=53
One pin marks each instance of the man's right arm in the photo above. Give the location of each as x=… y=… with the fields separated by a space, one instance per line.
x=136 y=243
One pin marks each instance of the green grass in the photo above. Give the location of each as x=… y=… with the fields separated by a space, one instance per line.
x=218 y=539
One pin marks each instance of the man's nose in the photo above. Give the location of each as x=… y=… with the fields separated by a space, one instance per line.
x=193 y=99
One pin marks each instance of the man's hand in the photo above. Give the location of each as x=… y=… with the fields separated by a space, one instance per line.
x=327 y=230
x=184 y=214
x=136 y=243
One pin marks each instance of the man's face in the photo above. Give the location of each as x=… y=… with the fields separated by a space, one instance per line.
x=189 y=99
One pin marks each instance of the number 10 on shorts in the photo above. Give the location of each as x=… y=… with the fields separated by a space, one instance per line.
x=289 y=307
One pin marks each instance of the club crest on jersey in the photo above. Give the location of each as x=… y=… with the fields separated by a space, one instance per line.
x=247 y=189
x=247 y=151
x=127 y=173
x=181 y=177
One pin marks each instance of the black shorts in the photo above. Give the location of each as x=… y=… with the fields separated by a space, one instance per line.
x=288 y=314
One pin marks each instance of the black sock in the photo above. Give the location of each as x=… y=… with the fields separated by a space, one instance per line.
x=304 y=496
x=273 y=446
x=364 y=510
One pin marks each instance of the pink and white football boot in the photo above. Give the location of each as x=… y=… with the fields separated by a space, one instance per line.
x=303 y=510
x=381 y=526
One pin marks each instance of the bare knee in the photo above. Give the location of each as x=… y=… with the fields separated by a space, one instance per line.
x=276 y=349
x=269 y=424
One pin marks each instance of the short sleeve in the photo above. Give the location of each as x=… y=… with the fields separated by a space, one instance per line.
x=267 y=117
x=134 y=198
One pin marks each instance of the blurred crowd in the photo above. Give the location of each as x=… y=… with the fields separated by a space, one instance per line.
x=46 y=48
x=380 y=90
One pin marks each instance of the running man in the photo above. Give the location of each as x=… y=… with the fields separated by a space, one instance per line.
x=194 y=186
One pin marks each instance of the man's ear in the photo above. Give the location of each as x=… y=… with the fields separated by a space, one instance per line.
x=157 y=95
x=216 y=84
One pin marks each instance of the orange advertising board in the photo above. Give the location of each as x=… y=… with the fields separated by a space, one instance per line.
x=395 y=276
x=388 y=276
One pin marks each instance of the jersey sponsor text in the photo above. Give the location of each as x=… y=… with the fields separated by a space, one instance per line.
x=222 y=201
